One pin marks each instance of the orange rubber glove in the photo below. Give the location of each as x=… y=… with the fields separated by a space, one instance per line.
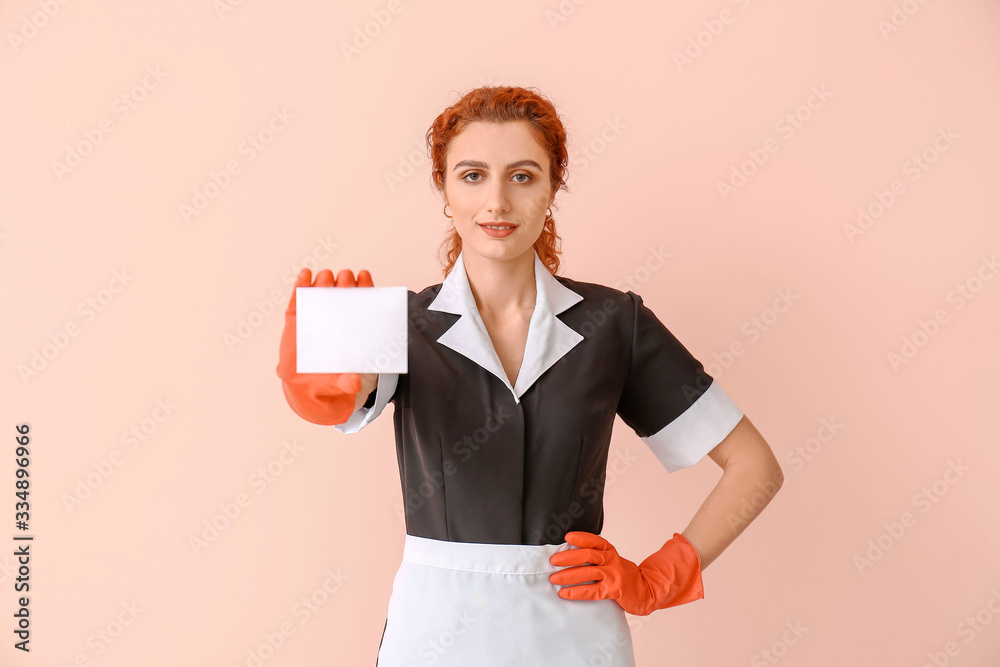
x=321 y=398
x=670 y=577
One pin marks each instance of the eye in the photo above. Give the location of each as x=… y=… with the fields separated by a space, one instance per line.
x=527 y=177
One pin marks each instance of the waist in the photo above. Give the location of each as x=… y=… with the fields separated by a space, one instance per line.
x=516 y=559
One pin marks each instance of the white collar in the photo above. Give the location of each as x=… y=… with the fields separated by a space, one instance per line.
x=549 y=338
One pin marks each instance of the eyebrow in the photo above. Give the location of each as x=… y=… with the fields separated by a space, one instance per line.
x=513 y=165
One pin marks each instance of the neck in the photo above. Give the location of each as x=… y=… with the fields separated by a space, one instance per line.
x=502 y=287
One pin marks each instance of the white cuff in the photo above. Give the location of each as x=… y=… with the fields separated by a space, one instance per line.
x=362 y=416
x=696 y=432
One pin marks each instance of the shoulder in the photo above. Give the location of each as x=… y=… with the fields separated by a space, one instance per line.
x=424 y=297
x=430 y=322
x=603 y=296
x=604 y=311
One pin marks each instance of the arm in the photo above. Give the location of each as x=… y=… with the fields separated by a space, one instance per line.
x=672 y=576
x=751 y=477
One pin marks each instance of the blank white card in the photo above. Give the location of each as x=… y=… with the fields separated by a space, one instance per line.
x=350 y=329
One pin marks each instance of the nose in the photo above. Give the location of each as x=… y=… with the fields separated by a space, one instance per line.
x=497 y=198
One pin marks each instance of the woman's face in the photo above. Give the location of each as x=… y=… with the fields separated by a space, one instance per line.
x=497 y=173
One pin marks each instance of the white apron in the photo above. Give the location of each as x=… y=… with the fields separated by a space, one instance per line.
x=462 y=604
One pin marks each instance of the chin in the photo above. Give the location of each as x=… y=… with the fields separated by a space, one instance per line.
x=498 y=250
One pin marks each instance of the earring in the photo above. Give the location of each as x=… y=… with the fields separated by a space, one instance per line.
x=548 y=215
x=445 y=212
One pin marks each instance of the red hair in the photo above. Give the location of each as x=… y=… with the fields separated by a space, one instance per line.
x=502 y=104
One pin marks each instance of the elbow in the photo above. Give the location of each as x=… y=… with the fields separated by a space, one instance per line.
x=778 y=476
x=773 y=478
x=769 y=477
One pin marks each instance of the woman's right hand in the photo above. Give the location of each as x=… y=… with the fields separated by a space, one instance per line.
x=321 y=398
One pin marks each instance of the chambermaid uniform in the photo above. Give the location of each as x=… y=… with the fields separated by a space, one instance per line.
x=494 y=475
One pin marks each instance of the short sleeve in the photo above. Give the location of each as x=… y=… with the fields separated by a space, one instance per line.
x=669 y=400
x=369 y=411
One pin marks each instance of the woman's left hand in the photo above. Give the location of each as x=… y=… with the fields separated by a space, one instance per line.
x=670 y=577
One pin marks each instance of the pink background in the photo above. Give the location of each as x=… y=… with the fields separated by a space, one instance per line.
x=649 y=139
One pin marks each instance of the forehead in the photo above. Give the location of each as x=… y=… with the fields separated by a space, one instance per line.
x=496 y=143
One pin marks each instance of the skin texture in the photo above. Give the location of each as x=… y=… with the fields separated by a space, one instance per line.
x=751 y=477
x=501 y=270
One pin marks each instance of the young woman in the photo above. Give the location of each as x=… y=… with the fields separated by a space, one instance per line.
x=504 y=420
